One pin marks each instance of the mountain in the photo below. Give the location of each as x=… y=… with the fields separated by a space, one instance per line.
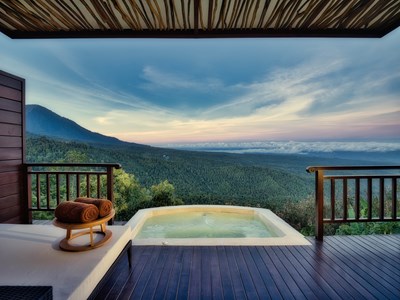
x=42 y=121
x=266 y=180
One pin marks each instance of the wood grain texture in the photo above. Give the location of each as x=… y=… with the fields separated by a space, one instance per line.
x=10 y=105
x=198 y=18
x=10 y=142
x=10 y=177
x=10 y=129
x=9 y=201
x=11 y=148
x=9 y=117
x=10 y=93
x=10 y=81
x=341 y=267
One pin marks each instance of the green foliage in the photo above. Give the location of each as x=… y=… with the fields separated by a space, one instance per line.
x=171 y=177
x=198 y=177
x=369 y=228
x=129 y=195
x=300 y=214
x=74 y=156
x=42 y=215
x=163 y=194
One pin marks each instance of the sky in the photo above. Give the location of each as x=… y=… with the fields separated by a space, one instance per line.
x=166 y=91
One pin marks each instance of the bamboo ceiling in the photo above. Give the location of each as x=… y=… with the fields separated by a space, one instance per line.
x=198 y=18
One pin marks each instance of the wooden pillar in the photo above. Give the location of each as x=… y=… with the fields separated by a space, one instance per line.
x=319 y=204
x=12 y=149
x=110 y=188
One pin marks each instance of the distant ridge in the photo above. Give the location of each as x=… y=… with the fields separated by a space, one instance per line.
x=42 y=121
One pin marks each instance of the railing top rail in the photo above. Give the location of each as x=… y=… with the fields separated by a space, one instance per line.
x=361 y=176
x=69 y=172
x=104 y=165
x=312 y=169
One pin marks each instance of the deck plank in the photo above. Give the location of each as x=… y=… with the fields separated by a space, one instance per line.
x=341 y=267
x=307 y=280
x=154 y=272
x=146 y=275
x=216 y=276
x=371 y=261
x=267 y=278
x=184 y=280
x=365 y=274
x=173 y=282
x=226 y=278
x=275 y=274
x=256 y=278
x=139 y=261
x=166 y=273
x=378 y=260
x=237 y=284
x=206 y=283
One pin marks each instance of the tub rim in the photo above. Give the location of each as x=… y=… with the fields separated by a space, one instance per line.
x=288 y=235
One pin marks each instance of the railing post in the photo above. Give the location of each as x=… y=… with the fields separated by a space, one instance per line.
x=28 y=195
x=319 y=204
x=110 y=188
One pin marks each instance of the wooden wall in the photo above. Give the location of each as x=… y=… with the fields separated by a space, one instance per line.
x=12 y=152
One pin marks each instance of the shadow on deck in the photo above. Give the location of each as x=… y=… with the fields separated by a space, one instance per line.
x=341 y=267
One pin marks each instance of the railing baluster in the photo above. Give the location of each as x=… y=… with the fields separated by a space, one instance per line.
x=48 y=190
x=357 y=199
x=369 y=198
x=381 y=198
x=58 y=188
x=78 y=186
x=29 y=194
x=87 y=185
x=98 y=186
x=345 y=199
x=333 y=204
x=38 y=191
x=67 y=185
x=110 y=188
x=394 y=198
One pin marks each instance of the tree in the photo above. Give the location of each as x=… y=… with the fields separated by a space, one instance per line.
x=129 y=195
x=163 y=194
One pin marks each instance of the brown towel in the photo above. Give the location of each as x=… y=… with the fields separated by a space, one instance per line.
x=105 y=206
x=73 y=212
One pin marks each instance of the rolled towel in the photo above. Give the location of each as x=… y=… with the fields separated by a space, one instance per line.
x=74 y=212
x=105 y=206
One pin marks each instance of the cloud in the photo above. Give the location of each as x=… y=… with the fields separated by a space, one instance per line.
x=171 y=80
x=290 y=147
x=333 y=96
x=282 y=91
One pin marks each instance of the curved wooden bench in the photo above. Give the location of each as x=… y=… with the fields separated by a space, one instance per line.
x=64 y=243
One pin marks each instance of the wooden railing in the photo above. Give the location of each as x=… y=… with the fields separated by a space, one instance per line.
x=339 y=198
x=48 y=184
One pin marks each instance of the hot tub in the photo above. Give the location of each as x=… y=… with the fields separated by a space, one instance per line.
x=203 y=225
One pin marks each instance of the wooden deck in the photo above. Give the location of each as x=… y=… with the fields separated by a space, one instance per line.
x=341 y=267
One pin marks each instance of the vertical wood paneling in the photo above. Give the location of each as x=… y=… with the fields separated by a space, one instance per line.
x=12 y=127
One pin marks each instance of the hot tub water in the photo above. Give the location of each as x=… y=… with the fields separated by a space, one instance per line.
x=205 y=225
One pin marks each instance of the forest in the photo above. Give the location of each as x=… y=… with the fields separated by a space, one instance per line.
x=157 y=177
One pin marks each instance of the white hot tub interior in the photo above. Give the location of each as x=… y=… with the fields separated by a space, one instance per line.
x=211 y=225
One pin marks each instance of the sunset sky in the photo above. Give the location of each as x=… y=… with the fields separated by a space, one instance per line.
x=157 y=91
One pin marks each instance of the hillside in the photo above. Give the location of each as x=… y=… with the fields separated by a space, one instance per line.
x=199 y=177
x=42 y=121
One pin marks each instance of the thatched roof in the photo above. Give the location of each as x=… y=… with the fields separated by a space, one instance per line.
x=198 y=18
